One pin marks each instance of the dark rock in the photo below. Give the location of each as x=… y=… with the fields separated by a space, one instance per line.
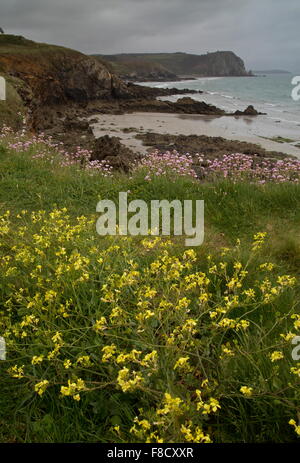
x=189 y=106
x=185 y=105
x=208 y=147
x=110 y=149
x=71 y=124
x=249 y=111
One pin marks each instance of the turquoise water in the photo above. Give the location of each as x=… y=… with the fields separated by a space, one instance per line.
x=270 y=94
x=275 y=89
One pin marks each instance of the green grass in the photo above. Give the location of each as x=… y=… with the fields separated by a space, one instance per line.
x=232 y=211
x=280 y=139
x=16 y=44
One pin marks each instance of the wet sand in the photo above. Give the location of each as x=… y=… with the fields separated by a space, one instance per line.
x=242 y=128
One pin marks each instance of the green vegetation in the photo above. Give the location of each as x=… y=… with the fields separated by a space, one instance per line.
x=280 y=139
x=12 y=44
x=134 y=339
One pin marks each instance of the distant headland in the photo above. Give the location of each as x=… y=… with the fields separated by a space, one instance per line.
x=175 y=66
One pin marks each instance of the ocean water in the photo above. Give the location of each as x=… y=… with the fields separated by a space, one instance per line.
x=270 y=94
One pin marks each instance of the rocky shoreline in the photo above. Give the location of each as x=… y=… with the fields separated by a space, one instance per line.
x=61 y=88
x=68 y=123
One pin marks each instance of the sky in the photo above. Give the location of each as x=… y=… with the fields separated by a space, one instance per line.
x=264 y=33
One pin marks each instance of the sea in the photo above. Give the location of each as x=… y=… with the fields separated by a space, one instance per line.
x=270 y=94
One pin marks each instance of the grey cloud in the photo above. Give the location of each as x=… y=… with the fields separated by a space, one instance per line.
x=263 y=32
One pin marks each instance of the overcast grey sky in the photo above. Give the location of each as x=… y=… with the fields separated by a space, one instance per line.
x=265 y=33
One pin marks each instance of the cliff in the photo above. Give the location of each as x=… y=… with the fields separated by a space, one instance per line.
x=220 y=63
x=51 y=74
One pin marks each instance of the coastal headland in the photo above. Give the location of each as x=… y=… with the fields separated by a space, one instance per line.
x=75 y=99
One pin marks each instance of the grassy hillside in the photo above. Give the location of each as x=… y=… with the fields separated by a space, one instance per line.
x=134 y=339
x=11 y=44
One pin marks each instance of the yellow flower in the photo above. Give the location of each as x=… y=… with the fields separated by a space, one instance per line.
x=211 y=406
x=41 y=387
x=297 y=428
x=109 y=351
x=37 y=359
x=127 y=383
x=57 y=337
x=243 y=324
x=183 y=303
x=226 y=351
x=288 y=336
x=203 y=297
x=73 y=388
x=183 y=364
x=259 y=240
x=267 y=266
x=67 y=364
x=247 y=391
x=234 y=283
x=171 y=405
x=50 y=295
x=295 y=370
x=249 y=293
x=100 y=325
x=227 y=323
x=116 y=312
x=142 y=316
x=197 y=436
x=144 y=424
x=276 y=355
x=286 y=280
x=84 y=360
x=16 y=372
x=150 y=360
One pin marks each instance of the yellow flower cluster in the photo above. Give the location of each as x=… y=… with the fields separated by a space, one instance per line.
x=73 y=389
x=41 y=387
x=129 y=381
x=195 y=435
x=165 y=327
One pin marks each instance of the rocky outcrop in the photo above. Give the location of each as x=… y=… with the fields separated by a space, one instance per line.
x=209 y=147
x=220 y=63
x=111 y=150
x=185 y=105
x=189 y=106
x=249 y=111
x=56 y=75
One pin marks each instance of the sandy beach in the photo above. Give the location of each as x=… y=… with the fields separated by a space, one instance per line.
x=257 y=129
